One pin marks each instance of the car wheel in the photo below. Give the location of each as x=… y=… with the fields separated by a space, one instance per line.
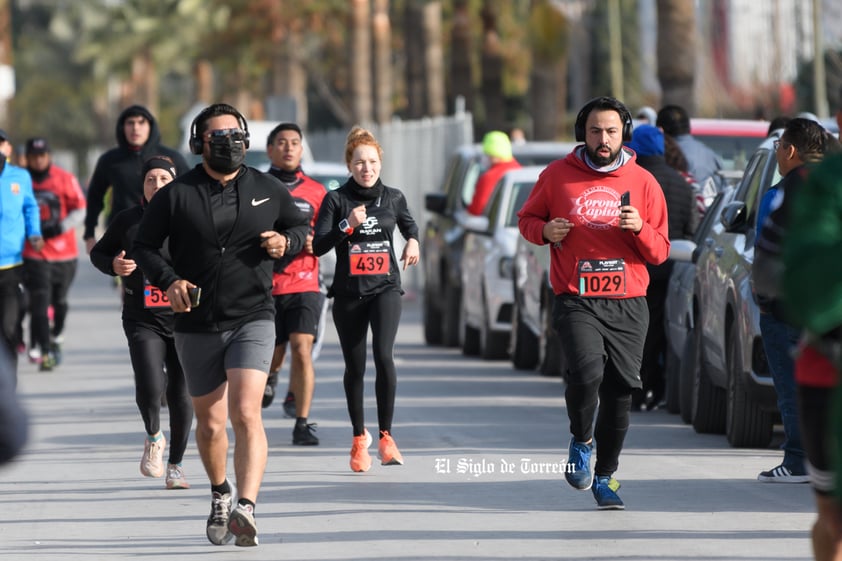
x=708 y=403
x=687 y=374
x=672 y=366
x=553 y=362
x=432 y=321
x=524 y=345
x=450 y=316
x=470 y=341
x=492 y=345
x=747 y=425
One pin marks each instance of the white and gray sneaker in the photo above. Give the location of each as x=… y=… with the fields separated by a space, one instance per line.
x=242 y=525
x=217 y=531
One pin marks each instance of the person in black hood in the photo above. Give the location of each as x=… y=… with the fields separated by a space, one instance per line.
x=121 y=168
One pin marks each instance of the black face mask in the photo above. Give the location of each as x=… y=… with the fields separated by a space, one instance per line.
x=226 y=155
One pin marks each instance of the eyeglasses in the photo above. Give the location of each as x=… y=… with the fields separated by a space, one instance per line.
x=778 y=143
x=235 y=135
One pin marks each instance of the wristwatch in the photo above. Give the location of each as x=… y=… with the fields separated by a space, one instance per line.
x=345 y=226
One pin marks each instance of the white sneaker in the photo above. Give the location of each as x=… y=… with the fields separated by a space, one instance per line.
x=176 y=478
x=241 y=524
x=152 y=461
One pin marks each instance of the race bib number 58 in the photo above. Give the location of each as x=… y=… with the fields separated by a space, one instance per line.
x=154 y=297
x=602 y=278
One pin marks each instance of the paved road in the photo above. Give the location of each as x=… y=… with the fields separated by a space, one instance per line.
x=480 y=442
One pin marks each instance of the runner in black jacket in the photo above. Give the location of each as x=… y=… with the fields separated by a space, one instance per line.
x=121 y=168
x=359 y=219
x=147 y=322
x=225 y=224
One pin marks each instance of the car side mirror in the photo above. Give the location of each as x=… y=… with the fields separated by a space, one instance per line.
x=435 y=202
x=476 y=224
x=682 y=250
x=734 y=217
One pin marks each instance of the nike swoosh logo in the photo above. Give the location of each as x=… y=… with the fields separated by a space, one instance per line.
x=255 y=202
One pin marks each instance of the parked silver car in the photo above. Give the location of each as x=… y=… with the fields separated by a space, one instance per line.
x=732 y=389
x=487 y=295
x=534 y=341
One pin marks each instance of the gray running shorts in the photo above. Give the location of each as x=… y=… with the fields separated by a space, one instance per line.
x=205 y=357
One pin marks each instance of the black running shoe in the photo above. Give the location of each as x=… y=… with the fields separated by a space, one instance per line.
x=289 y=406
x=302 y=435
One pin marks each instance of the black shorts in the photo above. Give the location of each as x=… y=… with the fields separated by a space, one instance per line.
x=297 y=313
x=614 y=329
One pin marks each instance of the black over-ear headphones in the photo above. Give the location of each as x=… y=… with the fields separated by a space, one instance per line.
x=196 y=142
x=603 y=103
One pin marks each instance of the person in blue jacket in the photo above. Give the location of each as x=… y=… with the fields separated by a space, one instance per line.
x=19 y=221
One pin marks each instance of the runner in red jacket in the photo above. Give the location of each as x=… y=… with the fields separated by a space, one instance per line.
x=295 y=287
x=606 y=218
x=49 y=272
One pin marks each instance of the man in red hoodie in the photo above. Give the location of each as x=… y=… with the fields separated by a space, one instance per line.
x=498 y=148
x=606 y=218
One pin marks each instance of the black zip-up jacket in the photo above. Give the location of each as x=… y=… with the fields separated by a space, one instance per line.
x=236 y=279
x=118 y=237
x=121 y=168
x=385 y=208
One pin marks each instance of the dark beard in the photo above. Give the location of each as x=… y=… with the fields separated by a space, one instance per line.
x=601 y=161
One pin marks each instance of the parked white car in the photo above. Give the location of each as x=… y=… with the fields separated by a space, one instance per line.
x=487 y=266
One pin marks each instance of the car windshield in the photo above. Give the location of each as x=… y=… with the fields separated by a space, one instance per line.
x=520 y=192
x=733 y=150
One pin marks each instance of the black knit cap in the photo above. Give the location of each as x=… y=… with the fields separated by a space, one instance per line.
x=160 y=162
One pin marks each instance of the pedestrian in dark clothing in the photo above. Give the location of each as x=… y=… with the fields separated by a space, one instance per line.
x=121 y=168
x=648 y=143
x=225 y=223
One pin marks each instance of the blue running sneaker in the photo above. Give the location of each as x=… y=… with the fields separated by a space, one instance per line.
x=578 y=472
x=605 y=492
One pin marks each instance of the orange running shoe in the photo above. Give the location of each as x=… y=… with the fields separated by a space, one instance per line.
x=388 y=450
x=360 y=458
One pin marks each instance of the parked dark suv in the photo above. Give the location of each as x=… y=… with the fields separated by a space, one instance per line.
x=444 y=234
x=732 y=389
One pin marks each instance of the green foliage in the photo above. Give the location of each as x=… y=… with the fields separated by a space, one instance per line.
x=53 y=98
x=600 y=48
x=548 y=33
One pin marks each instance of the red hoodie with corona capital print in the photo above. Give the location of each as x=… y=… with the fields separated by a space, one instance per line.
x=590 y=199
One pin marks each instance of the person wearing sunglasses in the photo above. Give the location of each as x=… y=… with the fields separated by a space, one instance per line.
x=226 y=224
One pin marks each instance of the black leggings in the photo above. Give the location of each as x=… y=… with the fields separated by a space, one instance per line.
x=603 y=342
x=47 y=283
x=352 y=317
x=150 y=352
x=9 y=306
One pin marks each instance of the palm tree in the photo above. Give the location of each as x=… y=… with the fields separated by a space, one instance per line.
x=549 y=39
x=359 y=56
x=677 y=52
x=382 y=33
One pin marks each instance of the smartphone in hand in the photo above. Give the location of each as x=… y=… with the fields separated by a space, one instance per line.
x=195 y=297
x=625 y=199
